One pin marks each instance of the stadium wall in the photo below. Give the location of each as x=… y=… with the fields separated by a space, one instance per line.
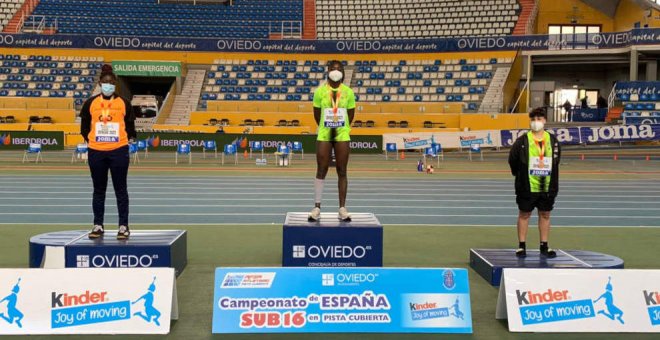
x=560 y=12
x=628 y=13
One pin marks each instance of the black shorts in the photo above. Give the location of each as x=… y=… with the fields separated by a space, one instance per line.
x=541 y=201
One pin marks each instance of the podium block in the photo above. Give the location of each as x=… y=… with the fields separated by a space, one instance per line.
x=144 y=248
x=489 y=262
x=332 y=243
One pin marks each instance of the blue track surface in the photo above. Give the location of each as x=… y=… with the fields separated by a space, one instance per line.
x=188 y=200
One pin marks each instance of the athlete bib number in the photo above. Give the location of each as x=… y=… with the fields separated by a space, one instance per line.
x=332 y=120
x=541 y=168
x=107 y=132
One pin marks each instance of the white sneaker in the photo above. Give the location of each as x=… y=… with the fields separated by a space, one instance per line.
x=314 y=215
x=344 y=215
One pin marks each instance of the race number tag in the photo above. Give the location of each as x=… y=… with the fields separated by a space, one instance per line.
x=332 y=120
x=540 y=167
x=107 y=132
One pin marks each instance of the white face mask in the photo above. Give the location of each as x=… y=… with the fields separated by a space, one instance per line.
x=536 y=125
x=335 y=75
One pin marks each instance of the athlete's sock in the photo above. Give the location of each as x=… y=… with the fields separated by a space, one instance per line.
x=318 y=190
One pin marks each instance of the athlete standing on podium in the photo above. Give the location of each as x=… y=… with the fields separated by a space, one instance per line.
x=534 y=161
x=334 y=109
x=107 y=123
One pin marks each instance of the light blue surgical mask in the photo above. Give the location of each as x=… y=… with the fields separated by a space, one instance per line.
x=107 y=89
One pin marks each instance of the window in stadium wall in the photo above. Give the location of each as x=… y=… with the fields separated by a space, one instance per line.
x=574 y=37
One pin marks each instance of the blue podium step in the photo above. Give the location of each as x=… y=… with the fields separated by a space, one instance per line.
x=331 y=242
x=489 y=262
x=144 y=248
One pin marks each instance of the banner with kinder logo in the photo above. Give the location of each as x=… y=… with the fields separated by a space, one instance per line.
x=87 y=301
x=341 y=300
x=580 y=300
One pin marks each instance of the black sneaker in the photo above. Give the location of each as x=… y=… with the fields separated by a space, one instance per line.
x=521 y=252
x=96 y=232
x=123 y=233
x=548 y=252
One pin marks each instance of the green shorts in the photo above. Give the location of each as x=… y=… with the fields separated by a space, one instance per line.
x=342 y=134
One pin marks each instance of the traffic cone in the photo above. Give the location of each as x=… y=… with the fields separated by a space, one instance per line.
x=616 y=157
x=403 y=155
x=245 y=154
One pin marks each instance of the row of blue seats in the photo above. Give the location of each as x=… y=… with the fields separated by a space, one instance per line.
x=174 y=8
x=641 y=106
x=191 y=34
x=438 y=90
x=405 y=63
x=432 y=68
x=639 y=114
x=266 y=68
x=41 y=86
x=53 y=71
x=256 y=68
x=217 y=27
x=81 y=2
x=265 y=16
x=140 y=22
x=419 y=75
x=92 y=1
x=270 y=89
x=248 y=75
x=37 y=93
x=260 y=97
x=450 y=98
x=52 y=94
x=264 y=82
x=45 y=64
x=641 y=97
x=283 y=62
x=50 y=79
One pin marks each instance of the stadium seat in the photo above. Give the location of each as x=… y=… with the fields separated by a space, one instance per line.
x=184 y=150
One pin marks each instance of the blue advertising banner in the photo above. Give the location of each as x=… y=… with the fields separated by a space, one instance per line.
x=648 y=88
x=593 y=135
x=564 y=135
x=501 y=43
x=589 y=115
x=619 y=133
x=341 y=300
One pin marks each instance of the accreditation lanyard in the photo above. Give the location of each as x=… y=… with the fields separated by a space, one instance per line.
x=335 y=103
x=541 y=146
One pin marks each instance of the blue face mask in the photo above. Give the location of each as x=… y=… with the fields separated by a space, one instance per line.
x=107 y=89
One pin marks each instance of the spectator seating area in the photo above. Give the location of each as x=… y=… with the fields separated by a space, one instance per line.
x=414 y=19
x=31 y=112
x=8 y=9
x=48 y=76
x=449 y=80
x=640 y=105
x=260 y=80
x=251 y=19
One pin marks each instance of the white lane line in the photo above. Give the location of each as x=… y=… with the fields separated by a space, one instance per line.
x=110 y=197
x=326 y=206
x=279 y=194
x=628 y=217
x=270 y=224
